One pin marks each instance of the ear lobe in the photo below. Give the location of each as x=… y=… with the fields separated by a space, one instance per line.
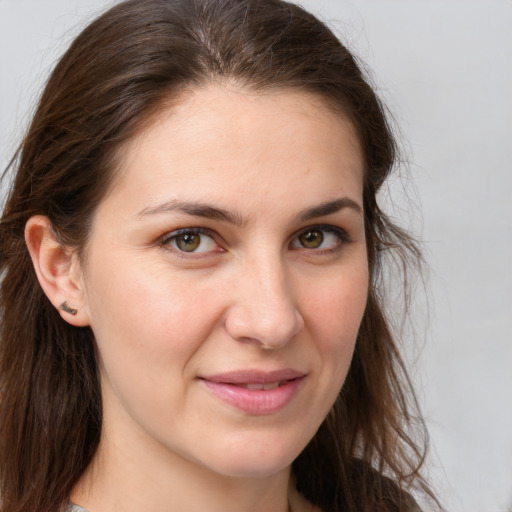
x=57 y=269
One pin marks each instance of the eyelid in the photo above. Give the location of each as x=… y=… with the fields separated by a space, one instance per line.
x=329 y=228
x=165 y=240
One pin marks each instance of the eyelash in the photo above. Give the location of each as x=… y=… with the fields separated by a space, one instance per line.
x=341 y=234
x=167 y=240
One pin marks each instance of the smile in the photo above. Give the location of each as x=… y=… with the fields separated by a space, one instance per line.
x=254 y=392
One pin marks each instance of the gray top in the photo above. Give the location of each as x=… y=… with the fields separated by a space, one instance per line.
x=75 y=508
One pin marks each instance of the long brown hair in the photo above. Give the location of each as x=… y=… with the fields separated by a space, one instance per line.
x=113 y=78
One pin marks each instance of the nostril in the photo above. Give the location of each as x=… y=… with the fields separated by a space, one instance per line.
x=270 y=330
x=264 y=308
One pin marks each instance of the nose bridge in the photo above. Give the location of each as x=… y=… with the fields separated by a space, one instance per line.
x=265 y=308
x=267 y=277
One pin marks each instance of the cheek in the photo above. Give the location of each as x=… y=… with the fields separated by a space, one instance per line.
x=148 y=328
x=337 y=309
x=335 y=316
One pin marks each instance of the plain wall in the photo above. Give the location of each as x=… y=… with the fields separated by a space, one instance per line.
x=445 y=69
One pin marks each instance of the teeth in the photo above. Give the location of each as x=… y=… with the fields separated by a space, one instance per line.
x=259 y=387
x=253 y=387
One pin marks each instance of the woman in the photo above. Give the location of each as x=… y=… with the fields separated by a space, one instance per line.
x=191 y=259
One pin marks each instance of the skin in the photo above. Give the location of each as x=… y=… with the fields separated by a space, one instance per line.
x=251 y=295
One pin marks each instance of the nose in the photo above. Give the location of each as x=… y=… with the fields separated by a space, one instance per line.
x=264 y=309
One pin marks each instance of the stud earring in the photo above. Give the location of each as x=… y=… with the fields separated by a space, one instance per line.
x=72 y=311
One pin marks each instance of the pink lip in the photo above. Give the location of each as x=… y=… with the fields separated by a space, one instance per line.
x=228 y=387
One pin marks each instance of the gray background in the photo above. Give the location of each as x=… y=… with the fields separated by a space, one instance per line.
x=445 y=69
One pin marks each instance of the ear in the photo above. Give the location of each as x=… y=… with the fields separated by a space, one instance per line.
x=58 y=270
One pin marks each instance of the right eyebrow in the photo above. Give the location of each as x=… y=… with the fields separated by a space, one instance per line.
x=197 y=209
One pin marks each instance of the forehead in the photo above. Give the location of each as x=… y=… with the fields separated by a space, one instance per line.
x=225 y=142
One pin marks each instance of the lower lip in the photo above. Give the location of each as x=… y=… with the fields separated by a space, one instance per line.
x=255 y=401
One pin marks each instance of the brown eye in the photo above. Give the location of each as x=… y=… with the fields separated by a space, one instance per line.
x=191 y=241
x=188 y=242
x=311 y=239
x=321 y=239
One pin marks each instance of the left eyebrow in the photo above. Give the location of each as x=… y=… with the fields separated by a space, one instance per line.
x=330 y=207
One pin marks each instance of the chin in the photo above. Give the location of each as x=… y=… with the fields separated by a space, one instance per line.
x=243 y=470
x=254 y=461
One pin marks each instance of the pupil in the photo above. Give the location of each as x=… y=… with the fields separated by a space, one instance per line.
x=188 y=242
x=312 y=239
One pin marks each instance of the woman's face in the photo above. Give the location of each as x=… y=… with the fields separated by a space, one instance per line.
x=225 y=280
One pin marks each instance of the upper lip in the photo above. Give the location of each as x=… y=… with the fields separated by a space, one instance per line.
x=255 y=376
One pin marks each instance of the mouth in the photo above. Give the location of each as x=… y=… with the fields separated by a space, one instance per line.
x=256 y=392
x=256 y=377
